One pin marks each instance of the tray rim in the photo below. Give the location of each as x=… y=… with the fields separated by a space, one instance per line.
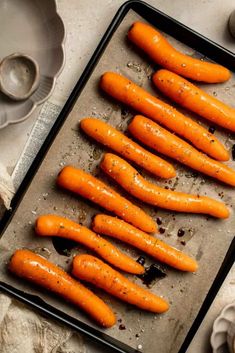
x=190 y=38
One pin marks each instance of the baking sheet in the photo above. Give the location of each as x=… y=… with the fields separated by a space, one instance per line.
x=205 y=238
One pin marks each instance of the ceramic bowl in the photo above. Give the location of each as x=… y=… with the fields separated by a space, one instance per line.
x=19 y=76
x=35 y=29
x=223 y=335
x=231 y=23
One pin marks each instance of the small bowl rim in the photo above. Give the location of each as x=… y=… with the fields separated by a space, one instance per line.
x=36 y=76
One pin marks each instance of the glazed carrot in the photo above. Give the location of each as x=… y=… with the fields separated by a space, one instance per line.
x=194 y=99
x=128 y=177
x=93 y=189
x=34 y=268
x=114 y=139
x=52 y=225
x=118 y=229
x=161 y=51
x=93 y=270
x=166 y=143
x=129 y=93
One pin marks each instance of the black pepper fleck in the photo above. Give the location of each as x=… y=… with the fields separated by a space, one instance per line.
x=141 y=260
x=211 y=129
x=181 y=232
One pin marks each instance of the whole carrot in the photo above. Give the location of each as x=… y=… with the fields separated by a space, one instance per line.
x=129 y=93
x=114 y=139
x=84 y=184
x=118 y=229
x=93 y=270
x=170 y=145
x=163 y=53
x=53 y=225
x=194 y=99
x=128 y=177
x=34 y=268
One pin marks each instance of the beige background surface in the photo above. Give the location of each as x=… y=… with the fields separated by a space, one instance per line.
x=86 y=20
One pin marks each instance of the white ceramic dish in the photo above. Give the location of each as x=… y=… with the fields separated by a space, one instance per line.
x=222 y=338
x=33 y=28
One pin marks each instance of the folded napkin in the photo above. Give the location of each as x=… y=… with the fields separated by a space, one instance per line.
x=24 y=331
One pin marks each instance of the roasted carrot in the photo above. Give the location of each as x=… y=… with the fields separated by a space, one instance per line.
x=118 y=229
x=129 y=93
x=161 y=140
x=93 y=270
x=34 y=268
x=114 y=139
x=163 y=53
x=53 y=225
x=128 y=177
x=195 y=99
x=84 y=184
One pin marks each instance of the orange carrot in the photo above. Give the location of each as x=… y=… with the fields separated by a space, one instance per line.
x=52 y=225
x=114 y=139
x=194 y=99
x=93 y=189
x=163 y=53
x=34 y=268
x=118 y=229
x=166 y=143
x=128 y=177
x=93 y=270
x=129 y=93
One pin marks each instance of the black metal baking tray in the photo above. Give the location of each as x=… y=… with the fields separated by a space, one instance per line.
x=188 y=37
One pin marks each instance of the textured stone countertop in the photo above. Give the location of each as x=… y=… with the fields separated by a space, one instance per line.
x=86 y=21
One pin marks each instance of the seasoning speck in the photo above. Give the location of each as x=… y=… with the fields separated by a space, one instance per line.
x=159 y=221
x=191 y=175
x=141 y=260
x=181 y=232
x=162 y=230
x=45 y=195
x=122 y=327
x=134 y=66
x=139 y=346
x=211 y=129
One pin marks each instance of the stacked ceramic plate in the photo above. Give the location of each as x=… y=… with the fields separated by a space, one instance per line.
x=35 y=29
x=223 y=335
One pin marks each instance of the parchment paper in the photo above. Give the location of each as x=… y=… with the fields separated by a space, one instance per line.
x=205 y=238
